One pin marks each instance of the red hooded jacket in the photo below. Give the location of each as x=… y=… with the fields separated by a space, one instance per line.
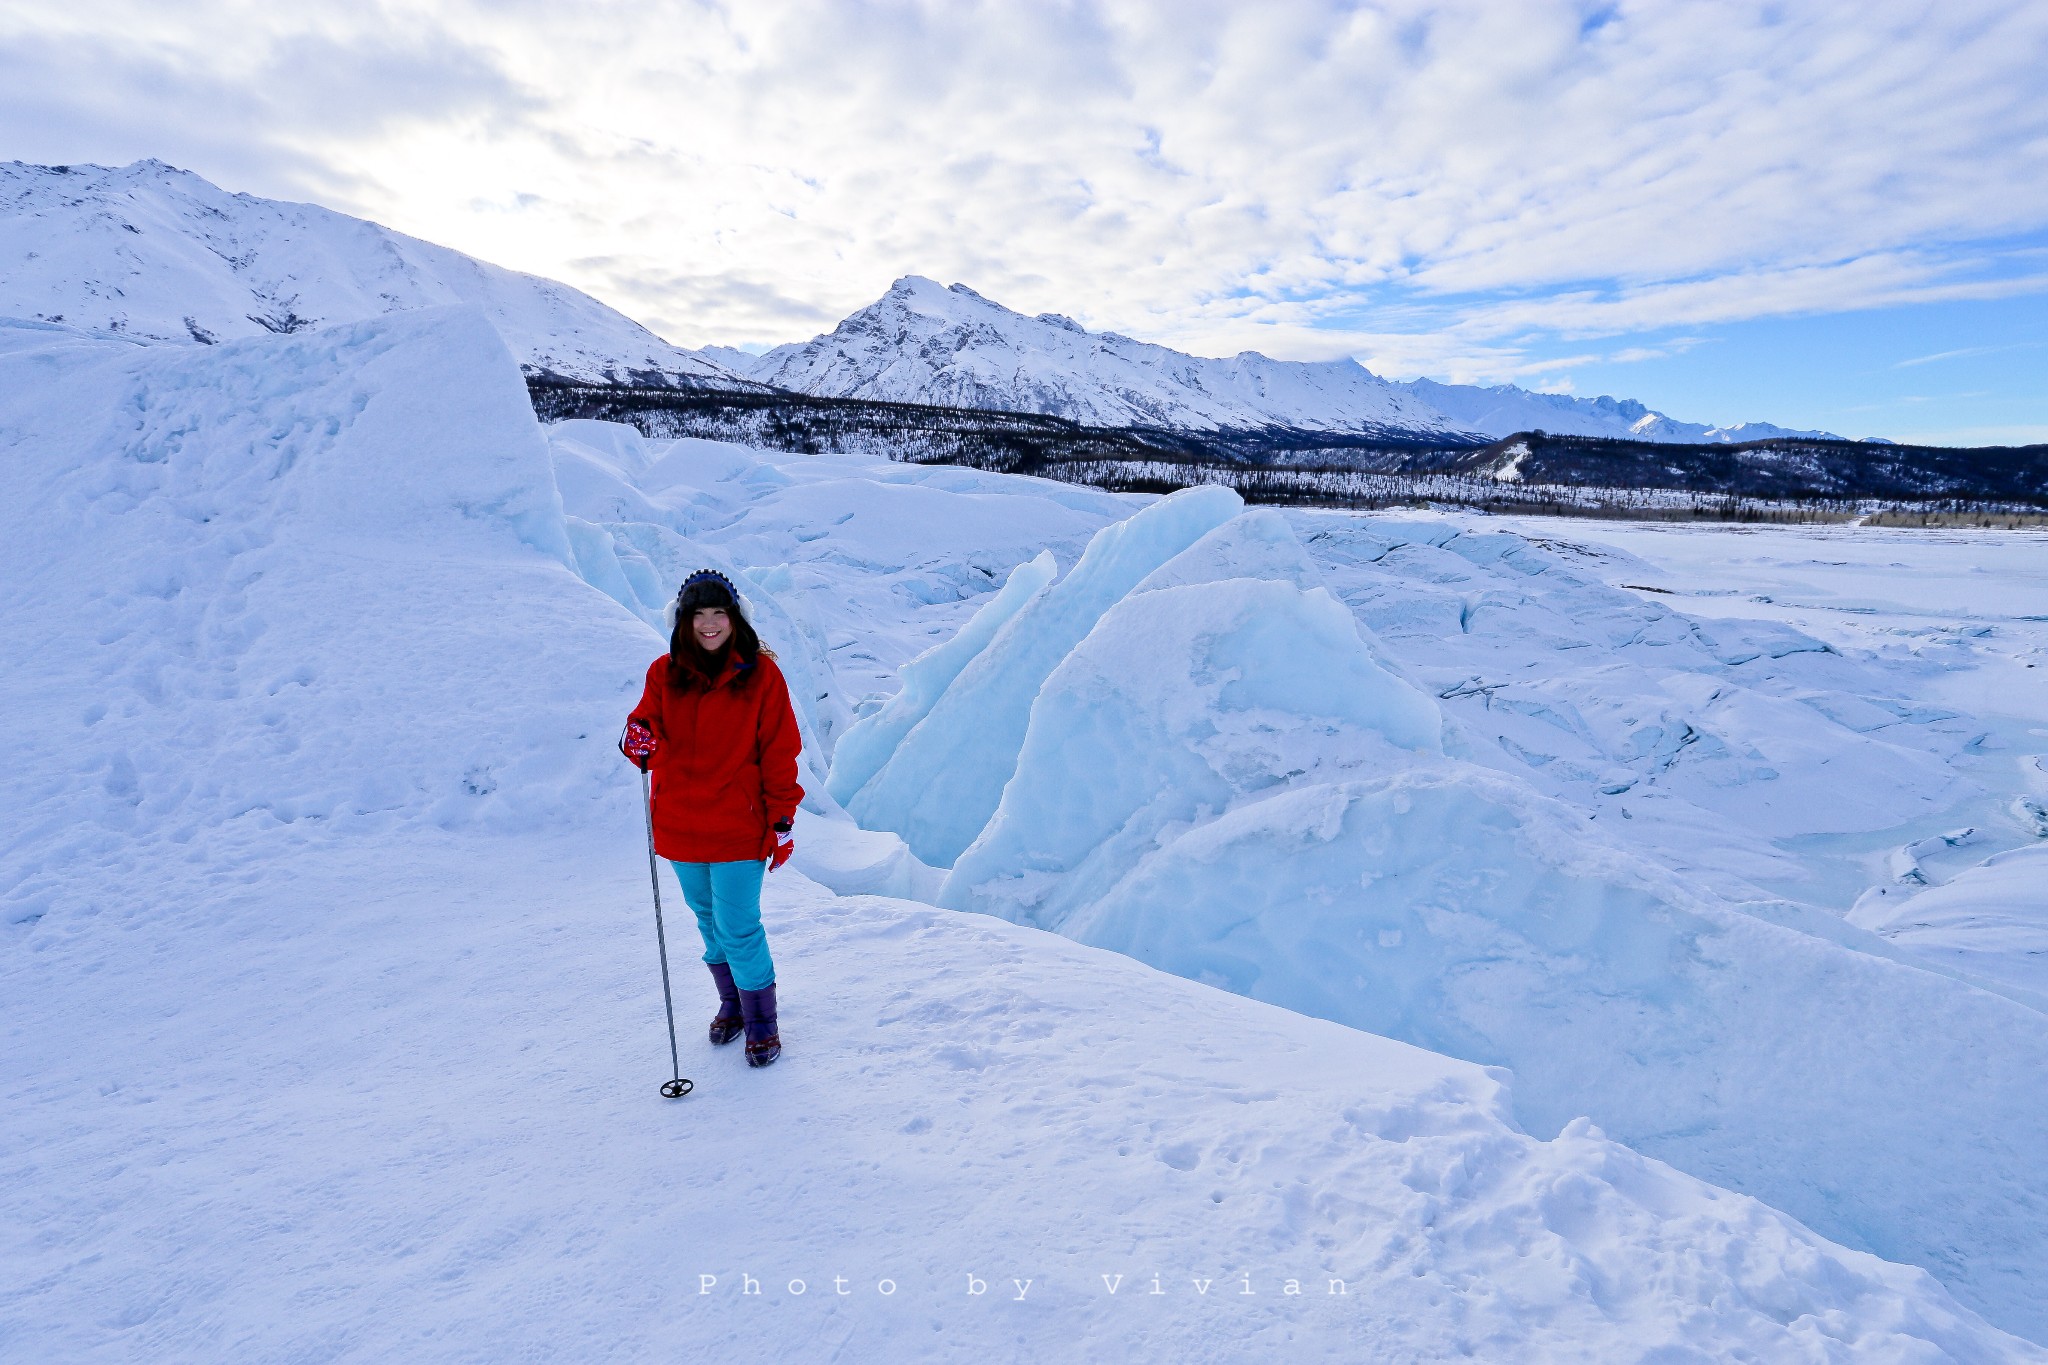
x=724 y=769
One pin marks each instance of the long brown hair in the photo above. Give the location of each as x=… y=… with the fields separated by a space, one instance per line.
x=691 y=667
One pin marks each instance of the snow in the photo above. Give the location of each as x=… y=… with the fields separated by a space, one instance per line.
x=1220 y=779
x=888 y=557
x=421 y=1124
x=157 y=254
x=208 y=596
x=332 y=1030
x=1451 y=910
x=1719 y=740
x=1990 y=920
x=1502 y=410
x=923 y=343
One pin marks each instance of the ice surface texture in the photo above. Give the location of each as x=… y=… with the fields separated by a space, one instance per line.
x=1220 y=779
x=1459 y=911
x=1990 y=920
x=871 y=742
x=223 y=558
x=942 y=783
x=1181 y=703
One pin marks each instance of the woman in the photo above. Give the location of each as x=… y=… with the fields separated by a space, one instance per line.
x=715 y=727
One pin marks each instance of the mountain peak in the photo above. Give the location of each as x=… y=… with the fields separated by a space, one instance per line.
x=151 y=166
x=954 y=347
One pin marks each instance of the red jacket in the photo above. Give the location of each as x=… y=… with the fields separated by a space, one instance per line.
x=724 y=764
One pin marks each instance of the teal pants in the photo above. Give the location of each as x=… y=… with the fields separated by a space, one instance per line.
x=727 y=900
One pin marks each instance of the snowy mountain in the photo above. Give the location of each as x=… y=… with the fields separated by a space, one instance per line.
x=1504 y=409
x=923 y=343
x=157 y=254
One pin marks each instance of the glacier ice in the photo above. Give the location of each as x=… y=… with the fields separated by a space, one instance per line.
x=1256 y=543
x=1219 y=777
x=1989 y=921
x=1181 y=702
x=1455 y=909
x=946 y=776
x=872 y=739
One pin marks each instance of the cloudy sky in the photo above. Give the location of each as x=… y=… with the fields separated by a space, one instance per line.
x=1818 y=214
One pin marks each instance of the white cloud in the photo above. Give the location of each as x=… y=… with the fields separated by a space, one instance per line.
x=1963 y=353
x=1416 y=183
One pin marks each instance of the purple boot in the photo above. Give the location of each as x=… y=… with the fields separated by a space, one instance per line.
x=758 y=1007
x=727 y=1024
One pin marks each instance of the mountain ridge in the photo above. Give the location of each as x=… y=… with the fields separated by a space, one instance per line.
x=162 y=255
x=951 y=346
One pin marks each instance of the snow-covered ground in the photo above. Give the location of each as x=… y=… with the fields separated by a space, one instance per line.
x=333 y=1031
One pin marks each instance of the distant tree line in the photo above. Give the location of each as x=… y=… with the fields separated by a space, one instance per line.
x=1532 y=473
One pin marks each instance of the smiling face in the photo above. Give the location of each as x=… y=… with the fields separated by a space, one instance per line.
x=711 y=627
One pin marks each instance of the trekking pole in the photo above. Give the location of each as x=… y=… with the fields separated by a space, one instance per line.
x=677 y=1088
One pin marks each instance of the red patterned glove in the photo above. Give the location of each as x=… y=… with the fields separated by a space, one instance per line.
x=637 y=743
x=785 y=844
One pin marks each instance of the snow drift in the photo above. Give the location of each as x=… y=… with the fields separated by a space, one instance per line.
x=255 y=601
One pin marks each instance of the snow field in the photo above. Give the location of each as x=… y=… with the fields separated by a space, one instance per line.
x=415 y=1118
x=1990 y=921
x=332 y=1029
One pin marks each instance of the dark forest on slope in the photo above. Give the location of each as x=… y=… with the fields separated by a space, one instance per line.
x=1786 y=478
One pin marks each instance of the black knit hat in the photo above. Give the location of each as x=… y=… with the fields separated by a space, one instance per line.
x=706 y=588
